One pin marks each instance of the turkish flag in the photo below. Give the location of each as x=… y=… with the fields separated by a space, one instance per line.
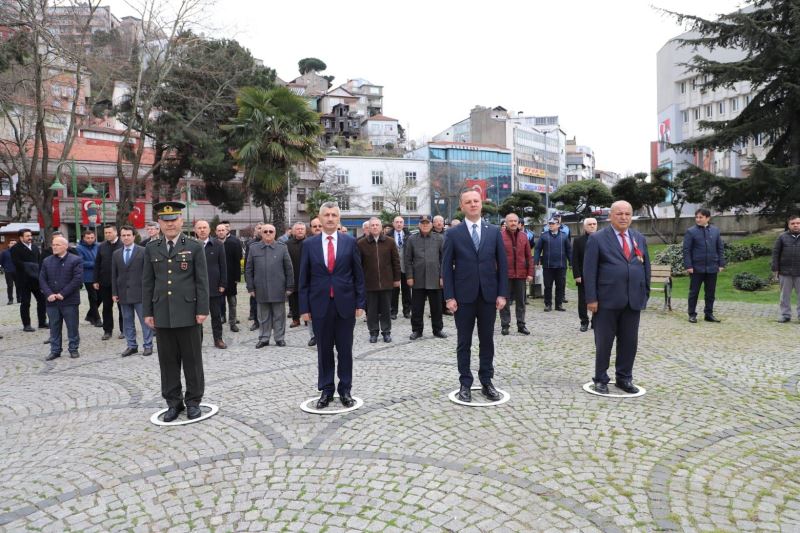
x=136 y=217
x=91 y=210
x=478 y=185
x=55 y=214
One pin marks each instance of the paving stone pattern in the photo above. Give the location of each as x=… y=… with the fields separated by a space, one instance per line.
x=712 y=446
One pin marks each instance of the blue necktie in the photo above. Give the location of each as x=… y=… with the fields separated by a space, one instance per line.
x=475 y=239
x=400 y=240
x=127 y=255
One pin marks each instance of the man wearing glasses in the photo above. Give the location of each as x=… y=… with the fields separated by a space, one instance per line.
x=316 y=229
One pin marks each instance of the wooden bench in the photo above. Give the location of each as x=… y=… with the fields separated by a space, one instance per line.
x=662 y=274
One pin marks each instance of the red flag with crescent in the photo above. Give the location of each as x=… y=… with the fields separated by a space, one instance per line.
x=136 y=217
x=478 y=185
x=55 y=213
x=91 y=210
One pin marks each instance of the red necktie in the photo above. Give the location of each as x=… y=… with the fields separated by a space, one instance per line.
x=331 y=258
x=626 y=250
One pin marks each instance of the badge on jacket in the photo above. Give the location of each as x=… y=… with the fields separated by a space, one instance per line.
x=184 y=266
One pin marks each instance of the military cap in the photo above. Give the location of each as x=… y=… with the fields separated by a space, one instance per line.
x=169 y=210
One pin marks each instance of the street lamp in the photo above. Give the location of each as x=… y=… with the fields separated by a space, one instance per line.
x=88 y=191
x=546 y=177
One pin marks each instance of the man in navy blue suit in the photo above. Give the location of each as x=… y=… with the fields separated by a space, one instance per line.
x=616 y=277
x=475 y=287
x=331 y=288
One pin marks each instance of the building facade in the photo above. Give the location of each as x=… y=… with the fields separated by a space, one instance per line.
x=580 y=162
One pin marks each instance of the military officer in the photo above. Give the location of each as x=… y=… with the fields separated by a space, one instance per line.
x=175 y=298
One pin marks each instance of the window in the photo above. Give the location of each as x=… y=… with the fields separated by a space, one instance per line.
x=685 y=116
x=411 y=203
x=683 y=87
x=721 y=108
x=734 y=104
x=709 y=111
x=697 y=113
x=344 y=202
x=411 y=178
x=342 y=177
x=747 y=100
x=694 y=84
x=377 y=204
x=377 y=178
x=301 y=195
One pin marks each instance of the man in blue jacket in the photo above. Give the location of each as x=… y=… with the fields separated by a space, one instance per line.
x=553 y=251
x=60 y=282
x=703 y=258
x=87 y=249
x=8 y=269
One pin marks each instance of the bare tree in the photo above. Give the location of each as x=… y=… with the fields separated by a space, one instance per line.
x=396 y=190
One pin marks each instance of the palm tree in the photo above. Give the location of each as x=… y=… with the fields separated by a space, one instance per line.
x=274 y=131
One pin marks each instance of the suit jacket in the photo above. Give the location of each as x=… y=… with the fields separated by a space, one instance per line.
x=233 y=260
x=126 y=280
x=217 y=265
x=467 y=272
x=175 y=286
x=578 y=251
x=62 y=276
x=400 y=249
x=102 y=263
x=610 y=279
x=269 y=272
x=347 y=278
x=27 y=264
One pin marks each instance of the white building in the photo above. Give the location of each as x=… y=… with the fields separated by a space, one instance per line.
x=580 y=162
x=377 y=183
x=380 y=130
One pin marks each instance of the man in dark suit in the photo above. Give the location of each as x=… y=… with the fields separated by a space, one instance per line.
x=332 y=293
x=175 y=301
x=475 y=276
x=102 y=278
x=233 y=261
x=616 y=276
x=217 y=267
x=26 y=256
x=703 y=259
x=578 y=251
x=399 y=234
x=127 y=266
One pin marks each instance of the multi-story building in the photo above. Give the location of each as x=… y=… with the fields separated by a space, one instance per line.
x=580 y=162
x=370 y=96
x=683 y=102
x=340 y=123
x=606 y=177
x=381 y=131
x=455 y=166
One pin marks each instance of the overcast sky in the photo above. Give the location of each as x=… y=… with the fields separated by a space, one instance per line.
x=591 y=62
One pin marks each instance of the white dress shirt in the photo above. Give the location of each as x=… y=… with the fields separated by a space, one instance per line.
x=325 y=245
x=469 y=224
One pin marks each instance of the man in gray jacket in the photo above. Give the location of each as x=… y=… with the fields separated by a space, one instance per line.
x=270 y=279
x=423 y=266
x=786 y=265
x=127 y=267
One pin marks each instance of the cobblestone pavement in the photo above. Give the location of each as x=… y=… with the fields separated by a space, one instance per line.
x=712 y=446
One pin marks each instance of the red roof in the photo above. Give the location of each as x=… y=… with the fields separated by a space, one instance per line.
x=85 y=150
x=381 y=117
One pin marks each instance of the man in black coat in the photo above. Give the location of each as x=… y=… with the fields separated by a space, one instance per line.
x=233 y=260
x=26 y=257
x=295 y=247
x=102 y=279
x=578 y=250
x=217 y=267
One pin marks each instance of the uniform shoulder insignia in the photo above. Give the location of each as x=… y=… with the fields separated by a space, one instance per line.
x=154 y=242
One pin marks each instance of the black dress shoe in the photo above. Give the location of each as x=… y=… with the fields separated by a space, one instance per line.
x=75 y=354
x=785 y=319
x=387 y=337
x=44 y=326
x=254 y=326
x=627 y=386
x=193 y=411
x=280 y=343
x=523 y=330
x=601 y=388
x=415 y=335
x=312 y=341
x=693 y=319
x=324 y=400
x=224 y=320
x=564 y=301
x=464 y=394
x=52 y=356
x=346 y=399
x=172 y=413
x=490 y=392
x=548 y=308
x=129 y=351
x=394 y=316
x=47 y=341
x=560 y=308
x=584 y=327
x=504 y=330
x=105 y=336
x=29 y=329
x=234 y=328
x=147 y=351
x=373 y=339
x=712 y=318
x=440 y=334
x=406 y=315
x=261 y=344
x=98 y=324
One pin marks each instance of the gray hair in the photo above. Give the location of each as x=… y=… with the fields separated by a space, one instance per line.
x=586 y=221
x=329 y=205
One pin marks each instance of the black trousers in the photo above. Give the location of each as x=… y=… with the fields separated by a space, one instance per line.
x=485 y=314
x=622 y=325
x=294 y=305
x=108 y=309
x=583 y=313
x=253 y=310
x=10 y=286
x=181 y=347
x=24 y=292
x=418 y=297
x=332 y=330
x=378 y=312
x=215 y=308
x=93 y=314
x=516 y=288
x=559 y=276
x=405 y=290
x=709 y=280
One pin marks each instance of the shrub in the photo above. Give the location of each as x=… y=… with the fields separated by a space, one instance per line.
x=735 y=253
x=672 y=255
x=745 y=281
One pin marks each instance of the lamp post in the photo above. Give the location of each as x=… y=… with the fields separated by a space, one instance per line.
x=546 y=177
x=88 y=191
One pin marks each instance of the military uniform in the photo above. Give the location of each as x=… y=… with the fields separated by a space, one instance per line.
x=175 y=291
